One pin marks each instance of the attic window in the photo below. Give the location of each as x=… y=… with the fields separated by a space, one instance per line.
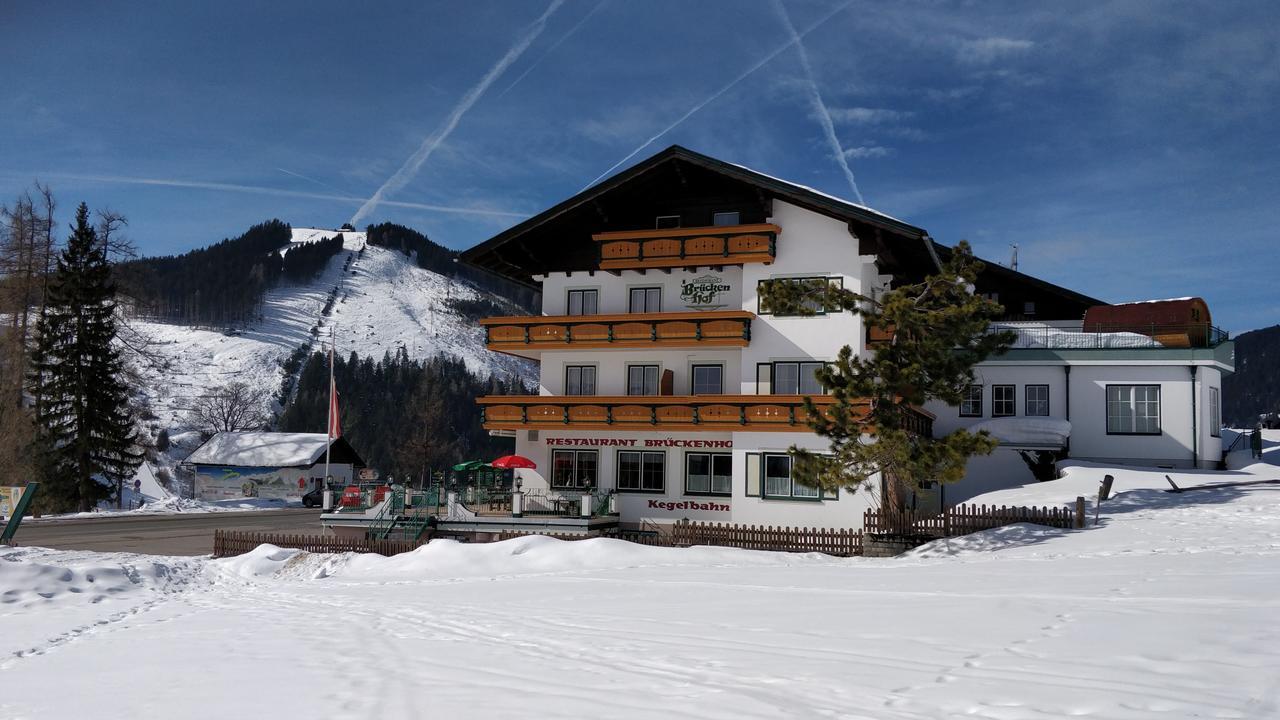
x=667 y=221
x=1029 y=308
x=725 y=218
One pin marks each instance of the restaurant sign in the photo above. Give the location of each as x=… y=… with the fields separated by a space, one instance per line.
x=704 y=292
x=634 y=442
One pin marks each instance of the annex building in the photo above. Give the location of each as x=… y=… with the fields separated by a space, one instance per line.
x=664 y=381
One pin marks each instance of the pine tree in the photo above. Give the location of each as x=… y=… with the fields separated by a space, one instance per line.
x=939 y=330
x=81 y=402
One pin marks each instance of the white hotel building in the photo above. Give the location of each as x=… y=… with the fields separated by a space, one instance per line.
x=663 y=380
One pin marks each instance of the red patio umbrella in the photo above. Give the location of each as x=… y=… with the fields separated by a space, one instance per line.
x=512 y=462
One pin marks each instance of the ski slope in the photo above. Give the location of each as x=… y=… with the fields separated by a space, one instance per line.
x=1163 y=610
x=385 y=302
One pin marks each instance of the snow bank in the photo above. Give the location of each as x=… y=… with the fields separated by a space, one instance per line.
x=1032 y=431
x=1046 y=336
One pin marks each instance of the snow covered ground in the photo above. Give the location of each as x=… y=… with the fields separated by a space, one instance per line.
x=1164 y=610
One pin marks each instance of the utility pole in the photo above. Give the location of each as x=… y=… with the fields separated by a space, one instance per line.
x=328 y=426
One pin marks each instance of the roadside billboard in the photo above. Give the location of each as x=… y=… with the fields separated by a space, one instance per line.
x=227 y=482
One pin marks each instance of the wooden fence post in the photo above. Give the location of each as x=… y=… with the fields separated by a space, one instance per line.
x=1078 y=520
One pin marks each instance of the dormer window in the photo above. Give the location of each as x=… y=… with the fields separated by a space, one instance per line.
x=665 y=222
x=726 y=218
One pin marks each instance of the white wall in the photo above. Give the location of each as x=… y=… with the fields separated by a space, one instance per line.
x=809 y=245
x=614 y=294
x=611 y=367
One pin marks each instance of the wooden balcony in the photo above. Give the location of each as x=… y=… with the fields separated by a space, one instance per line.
x=739 y=413
x=528 y=335
x=687 y=247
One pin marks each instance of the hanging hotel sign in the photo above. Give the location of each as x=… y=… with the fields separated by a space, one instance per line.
x=704 y=292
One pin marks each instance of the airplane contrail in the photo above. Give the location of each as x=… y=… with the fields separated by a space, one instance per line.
x=554 y=45
x=819 y=107
x=259 y=190
x=763 y=61
x=411 y=166
x=310 y=180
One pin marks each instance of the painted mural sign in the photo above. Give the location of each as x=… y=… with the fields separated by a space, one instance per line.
x=634 y=442
x=704 y=292
x=230 y=483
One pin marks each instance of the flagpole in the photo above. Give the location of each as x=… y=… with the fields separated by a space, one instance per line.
x=328 y=426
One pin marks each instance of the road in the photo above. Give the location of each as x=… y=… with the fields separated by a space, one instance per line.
x=187 y=534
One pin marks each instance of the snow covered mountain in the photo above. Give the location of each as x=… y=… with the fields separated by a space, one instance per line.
x=382 y=301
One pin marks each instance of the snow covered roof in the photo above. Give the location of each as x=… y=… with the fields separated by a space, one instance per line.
x=1047 y=432
x=269 y=449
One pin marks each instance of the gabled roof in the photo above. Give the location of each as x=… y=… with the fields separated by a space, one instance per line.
x=485 y=254
x=271 y=449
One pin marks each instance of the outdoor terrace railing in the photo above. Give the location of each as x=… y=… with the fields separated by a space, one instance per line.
x=521 y=334
x=662 y=412
x=1112 y=337
x=688 y=247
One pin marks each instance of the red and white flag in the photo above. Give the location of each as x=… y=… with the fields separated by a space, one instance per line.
x=335 y=426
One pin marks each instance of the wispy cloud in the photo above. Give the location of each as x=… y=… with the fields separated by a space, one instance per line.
x=819 y=107
x=984 y=51
x=576 y=26
x=714 y=96
x=311 y=180
x=412 y=165
x=260 y=190
x=868 y=115
x=867 y=151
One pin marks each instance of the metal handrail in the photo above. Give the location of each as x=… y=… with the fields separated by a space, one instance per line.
x=1110 y=336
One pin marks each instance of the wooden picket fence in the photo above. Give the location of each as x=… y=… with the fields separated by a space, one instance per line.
x=227 y=543
x=964 y=519
x=842 y=542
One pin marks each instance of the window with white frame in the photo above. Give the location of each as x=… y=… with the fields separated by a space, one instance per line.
x=1215 y=412
x=642 y=379
x=645 y=300
x=971 y=403
x=574 y=469
x=642 y=471
x=708 y=474
x=706 y=380
x=1037 y=401
x=1133 y=409
x=1004 y=400
x=580 y=380
x=583 y=302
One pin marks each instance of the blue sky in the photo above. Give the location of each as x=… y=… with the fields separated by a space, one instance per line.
x=1129 y=148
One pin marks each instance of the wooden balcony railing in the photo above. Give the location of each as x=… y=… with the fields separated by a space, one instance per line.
x=519 y=335
x=688 y=247
x=659 y=412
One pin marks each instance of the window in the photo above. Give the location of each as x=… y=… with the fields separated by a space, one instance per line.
x=1037 y=404
x=971 y=403
x=642 y=471
x=708 y=474
x=1133 y=409
x=1029 y=308
x=816 y=297
x=725 y=218
x=779 y=485
x=580 y=380
x=1215 y=413
x=642 y=379
x=707 y=380
x=790 y=378
x=667 y=221
x=645 y=300
x=1004 y=402
x=574 y=469
x=583 y=302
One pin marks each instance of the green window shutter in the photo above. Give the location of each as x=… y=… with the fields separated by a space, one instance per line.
x=753 y=474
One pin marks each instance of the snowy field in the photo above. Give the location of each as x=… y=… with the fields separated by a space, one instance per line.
x=1164 y=610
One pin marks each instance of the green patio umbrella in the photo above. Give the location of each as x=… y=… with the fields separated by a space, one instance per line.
x=470 y=465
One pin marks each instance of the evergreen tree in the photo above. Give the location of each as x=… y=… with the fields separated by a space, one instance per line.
x=81 y=402
x=939 y=328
